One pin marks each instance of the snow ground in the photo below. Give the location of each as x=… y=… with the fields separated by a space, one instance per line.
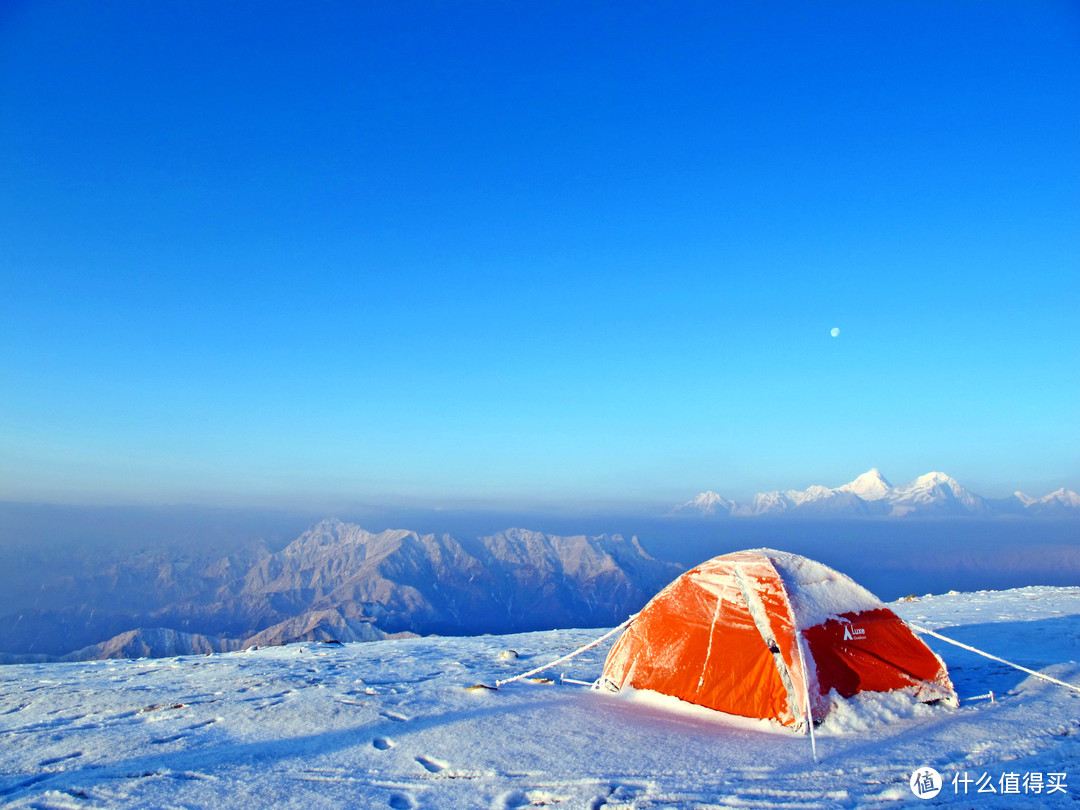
x=392 y=724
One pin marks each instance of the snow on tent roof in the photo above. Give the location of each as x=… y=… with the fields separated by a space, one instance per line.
x=818 y=593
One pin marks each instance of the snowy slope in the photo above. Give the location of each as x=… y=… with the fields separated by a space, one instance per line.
x=392 y=724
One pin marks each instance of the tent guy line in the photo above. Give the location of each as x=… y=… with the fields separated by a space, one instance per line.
x=968 y=647
x=568 y=656
x=913 y=626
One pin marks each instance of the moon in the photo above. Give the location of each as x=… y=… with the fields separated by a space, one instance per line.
x=835 y=331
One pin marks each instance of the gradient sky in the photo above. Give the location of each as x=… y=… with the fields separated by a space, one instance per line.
x=270 y=252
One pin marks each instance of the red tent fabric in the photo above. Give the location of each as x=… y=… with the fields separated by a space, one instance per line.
x=769 y=634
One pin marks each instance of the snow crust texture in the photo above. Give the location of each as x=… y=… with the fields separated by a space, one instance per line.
x=393 y=724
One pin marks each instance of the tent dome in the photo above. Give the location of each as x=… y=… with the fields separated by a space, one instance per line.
x=770 y=634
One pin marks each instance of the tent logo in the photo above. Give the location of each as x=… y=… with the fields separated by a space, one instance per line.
x=851 y=633
x=925 y=782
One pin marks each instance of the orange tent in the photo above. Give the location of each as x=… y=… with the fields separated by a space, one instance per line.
x=770 y=634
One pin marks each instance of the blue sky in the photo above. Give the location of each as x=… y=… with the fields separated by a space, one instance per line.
x=270 y=252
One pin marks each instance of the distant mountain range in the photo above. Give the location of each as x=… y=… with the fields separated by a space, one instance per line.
x=932 y=495
x=337 y=582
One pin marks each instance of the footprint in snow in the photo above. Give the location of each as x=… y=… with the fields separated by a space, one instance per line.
x=515 y=799
x=401 y=801
x=512 y=800
x=46 y=762
x=383 y=743
x=432 y=765
x=164 y=740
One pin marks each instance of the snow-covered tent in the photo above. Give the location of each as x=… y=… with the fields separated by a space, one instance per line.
x=769 y=634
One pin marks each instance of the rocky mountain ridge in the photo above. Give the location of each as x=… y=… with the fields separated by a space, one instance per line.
x=339 y=582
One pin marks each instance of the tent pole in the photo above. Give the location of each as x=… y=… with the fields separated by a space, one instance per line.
x=802 y=662
x=806 y=693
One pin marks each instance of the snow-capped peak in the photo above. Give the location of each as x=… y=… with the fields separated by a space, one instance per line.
x=1065 y=497
x=707 y=503
x=938 y=493
x=934 y=484
x=813 y=492
x=932 y=494
x=1062 y=502
x=934 y=478
x=870 y=486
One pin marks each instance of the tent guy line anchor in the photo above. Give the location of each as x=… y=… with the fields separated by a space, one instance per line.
x=568 y=656
x=968 y=647
x=564 y=679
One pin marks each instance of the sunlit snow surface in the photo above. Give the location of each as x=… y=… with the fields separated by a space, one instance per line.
x=391 y=724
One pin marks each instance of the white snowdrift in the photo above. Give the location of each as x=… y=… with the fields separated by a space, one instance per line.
x=392 y=724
